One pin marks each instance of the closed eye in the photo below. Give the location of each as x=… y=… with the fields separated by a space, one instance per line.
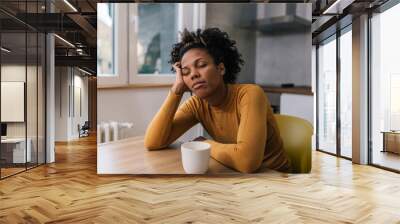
x=185 y=71
x=201 y=64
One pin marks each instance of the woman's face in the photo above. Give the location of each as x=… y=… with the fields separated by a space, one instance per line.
x=201 y=75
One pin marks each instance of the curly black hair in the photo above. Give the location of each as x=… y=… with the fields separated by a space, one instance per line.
x=218 y=45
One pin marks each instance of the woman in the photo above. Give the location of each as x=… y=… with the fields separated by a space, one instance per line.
x=237 y=116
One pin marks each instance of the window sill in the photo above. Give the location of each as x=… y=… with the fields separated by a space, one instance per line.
x=133 y=86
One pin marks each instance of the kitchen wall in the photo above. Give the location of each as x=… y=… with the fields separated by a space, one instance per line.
x=232 y=18
x=270 y=59
x=283 y=57
x=135 y=105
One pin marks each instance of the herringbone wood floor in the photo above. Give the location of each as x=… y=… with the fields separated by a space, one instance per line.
x=69 y=191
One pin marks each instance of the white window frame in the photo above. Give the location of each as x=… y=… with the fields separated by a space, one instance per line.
x=120 y=76
x=190 y=16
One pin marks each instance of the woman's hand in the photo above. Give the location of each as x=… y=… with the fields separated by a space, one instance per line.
x=179 y=87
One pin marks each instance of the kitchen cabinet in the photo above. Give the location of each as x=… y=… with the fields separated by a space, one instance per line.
x=296 y=101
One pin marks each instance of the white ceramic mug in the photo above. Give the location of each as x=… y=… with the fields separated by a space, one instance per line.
x=195 y=157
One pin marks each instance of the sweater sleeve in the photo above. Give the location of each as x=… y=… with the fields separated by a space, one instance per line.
x=247 y=154
x=170 y=122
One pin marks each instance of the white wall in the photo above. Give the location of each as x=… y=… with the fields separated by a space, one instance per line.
x=33 y=126
x=17 y=73
x=79 y=118
x=66 y=121
x=135 y=105
x=290 y=105
x=61 y=103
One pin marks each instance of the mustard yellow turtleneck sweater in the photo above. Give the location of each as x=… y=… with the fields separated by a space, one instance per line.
x=243 y=128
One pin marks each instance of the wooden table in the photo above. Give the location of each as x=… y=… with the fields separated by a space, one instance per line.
x=129 y=156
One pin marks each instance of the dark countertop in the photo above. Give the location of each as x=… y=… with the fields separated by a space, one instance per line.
x=301 y=90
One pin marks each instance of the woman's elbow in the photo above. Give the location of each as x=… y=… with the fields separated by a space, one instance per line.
x=151 y=141
x=249 y=167
x=150 y=145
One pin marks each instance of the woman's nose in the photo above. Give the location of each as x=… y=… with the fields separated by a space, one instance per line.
x=194 y=74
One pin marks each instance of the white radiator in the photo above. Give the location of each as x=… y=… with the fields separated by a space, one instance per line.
x=112 y=131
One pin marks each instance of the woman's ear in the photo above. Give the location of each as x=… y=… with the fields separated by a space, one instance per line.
x=221 y=68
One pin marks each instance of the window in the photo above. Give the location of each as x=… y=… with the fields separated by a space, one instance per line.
x=112 y=43
x=138 y=51
x=346 y=92
x=394 y=101
x=153 y=29
x=155 y=33
x=334 y=111
x=385 y=88
x=327 y=95
x=105 y=39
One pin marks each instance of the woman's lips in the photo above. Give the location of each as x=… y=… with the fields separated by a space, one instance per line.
x=199 y=85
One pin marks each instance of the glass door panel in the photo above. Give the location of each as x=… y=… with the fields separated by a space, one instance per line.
x=346 y=93
x=327 y=96
x=385 y=88
x=13 y=94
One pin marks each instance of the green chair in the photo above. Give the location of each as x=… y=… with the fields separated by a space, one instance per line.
x=296 y=134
